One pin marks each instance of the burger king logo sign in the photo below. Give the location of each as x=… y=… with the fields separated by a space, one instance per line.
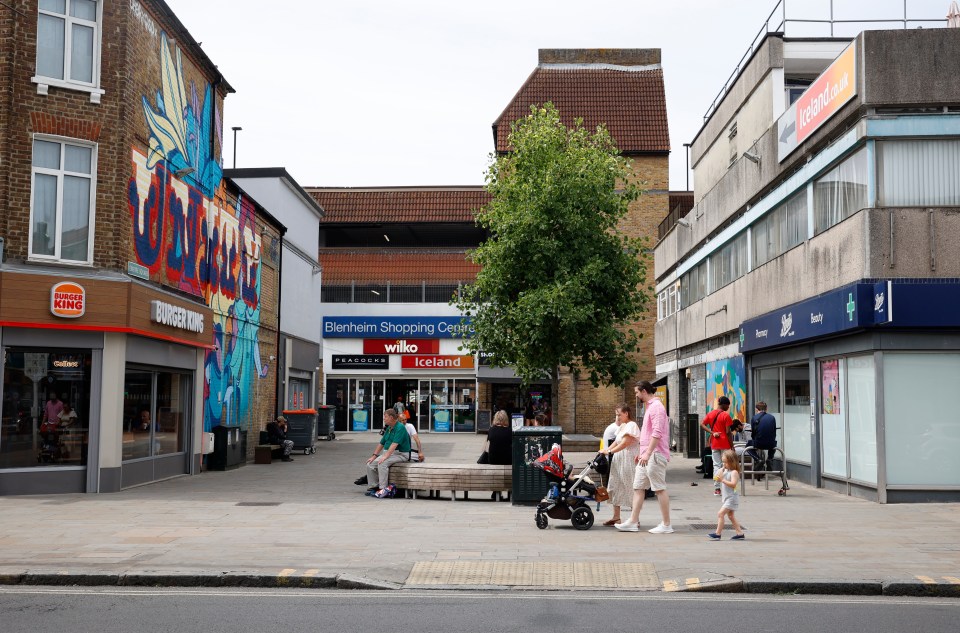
x=68 y=300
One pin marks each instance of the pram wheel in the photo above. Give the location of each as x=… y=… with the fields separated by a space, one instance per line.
x=541 y=520
x=582 y=518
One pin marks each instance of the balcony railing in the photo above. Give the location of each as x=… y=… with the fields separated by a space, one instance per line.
x=802 y=19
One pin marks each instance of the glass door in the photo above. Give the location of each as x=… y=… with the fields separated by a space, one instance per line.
x=464 y=410
x=379 y=402
x=440 y=407
x=796 y=414
x=366 y=404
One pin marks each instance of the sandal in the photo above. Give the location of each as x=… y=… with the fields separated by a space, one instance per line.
x=611 y=522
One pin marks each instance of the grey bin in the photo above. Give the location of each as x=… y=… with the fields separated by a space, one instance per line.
x=302 y=429
x=227 y=448
x=529 y=443
x=326 y=416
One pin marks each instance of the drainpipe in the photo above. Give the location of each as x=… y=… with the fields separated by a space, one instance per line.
x=281 y=353
x=213 y=116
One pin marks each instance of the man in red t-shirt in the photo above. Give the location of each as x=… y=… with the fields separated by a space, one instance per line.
x=717 y=423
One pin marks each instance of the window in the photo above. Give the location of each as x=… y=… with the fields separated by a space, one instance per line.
x=919 y=173
x=68 y=42
x=693 y=285
x=61 y=211
x=729 y=263
x=780 y=230
x=157 y=407
x=667 y=302
x=841 y=192
x=46 y=407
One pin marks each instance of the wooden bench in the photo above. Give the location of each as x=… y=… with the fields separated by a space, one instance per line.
x=464 y=478
x=265 y=452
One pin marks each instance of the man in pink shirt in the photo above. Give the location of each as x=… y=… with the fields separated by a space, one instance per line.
x=651 y=461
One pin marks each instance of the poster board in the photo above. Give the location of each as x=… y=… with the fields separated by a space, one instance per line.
x=483 y=420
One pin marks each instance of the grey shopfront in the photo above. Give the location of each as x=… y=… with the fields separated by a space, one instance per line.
x=866 y=408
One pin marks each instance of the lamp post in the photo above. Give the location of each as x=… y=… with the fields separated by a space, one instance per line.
x=235 y=130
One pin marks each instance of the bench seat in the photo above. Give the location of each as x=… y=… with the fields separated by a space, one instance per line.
x=264 y=453
x=414 y=476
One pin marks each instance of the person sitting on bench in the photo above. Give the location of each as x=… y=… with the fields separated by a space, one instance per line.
x=277 y=432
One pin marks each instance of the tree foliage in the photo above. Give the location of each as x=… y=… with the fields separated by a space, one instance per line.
x=559 y=283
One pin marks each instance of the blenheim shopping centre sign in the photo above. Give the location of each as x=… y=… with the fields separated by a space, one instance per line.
x=396 y=327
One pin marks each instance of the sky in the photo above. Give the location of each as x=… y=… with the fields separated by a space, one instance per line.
x=356 y=93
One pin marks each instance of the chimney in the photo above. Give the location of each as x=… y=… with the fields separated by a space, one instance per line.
x=611 y=56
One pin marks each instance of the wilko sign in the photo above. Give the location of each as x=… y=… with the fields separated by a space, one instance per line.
x=401 y=346
x=68 y=300
x=436 y=362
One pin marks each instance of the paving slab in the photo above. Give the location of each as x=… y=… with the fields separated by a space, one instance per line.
x=305 y=524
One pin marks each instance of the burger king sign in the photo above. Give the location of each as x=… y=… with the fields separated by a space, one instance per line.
x=68 y=300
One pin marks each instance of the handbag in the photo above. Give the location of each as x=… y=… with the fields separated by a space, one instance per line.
x=601 y=494
x=484 y=458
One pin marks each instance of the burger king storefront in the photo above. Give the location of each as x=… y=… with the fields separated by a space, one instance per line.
x=371 y=363
x=100 y=382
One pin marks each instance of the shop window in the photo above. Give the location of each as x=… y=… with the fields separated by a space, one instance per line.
x=693 y=285
x=841 y=192
x=46 y=408
x=922 y=432
x=62 y=208
x=729 y=263
x=780 y=230
x=668 y=302
x=157 y=410
x=68 y=43
x=919 y=173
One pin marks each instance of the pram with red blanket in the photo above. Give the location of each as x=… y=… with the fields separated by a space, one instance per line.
x=567 y=498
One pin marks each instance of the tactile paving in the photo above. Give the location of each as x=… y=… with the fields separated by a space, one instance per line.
x=535 y=574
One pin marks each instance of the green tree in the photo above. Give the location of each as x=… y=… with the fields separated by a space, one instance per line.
x=559 y=283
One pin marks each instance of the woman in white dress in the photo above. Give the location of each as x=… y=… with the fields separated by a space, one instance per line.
x=623 y=463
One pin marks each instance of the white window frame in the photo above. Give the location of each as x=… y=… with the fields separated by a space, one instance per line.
x=43 y=83
x=60 y=173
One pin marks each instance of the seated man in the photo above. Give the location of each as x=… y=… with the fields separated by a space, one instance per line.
x=394 y=447
x=277 y=432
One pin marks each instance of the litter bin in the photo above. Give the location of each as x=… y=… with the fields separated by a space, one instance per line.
x=326 y=418
x=227 y=448
x=529 y=443
x=693 y=436
x=302 y=429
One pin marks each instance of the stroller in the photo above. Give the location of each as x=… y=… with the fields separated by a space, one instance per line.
x=567 y=499
x=52 y=449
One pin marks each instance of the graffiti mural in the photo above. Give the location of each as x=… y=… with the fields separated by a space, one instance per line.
x=192 y=234
x=727 y=378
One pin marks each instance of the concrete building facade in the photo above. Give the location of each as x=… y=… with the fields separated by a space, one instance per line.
x=814 y=272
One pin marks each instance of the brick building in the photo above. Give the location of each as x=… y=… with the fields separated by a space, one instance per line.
x=623 y=90
x=392 y=257
x=135 y=281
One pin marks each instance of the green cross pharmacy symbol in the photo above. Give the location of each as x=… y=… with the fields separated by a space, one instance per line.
x=851 y=307
x=741 y=337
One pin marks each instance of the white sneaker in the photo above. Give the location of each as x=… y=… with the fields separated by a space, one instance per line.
x=627 y=527
x=661 y=529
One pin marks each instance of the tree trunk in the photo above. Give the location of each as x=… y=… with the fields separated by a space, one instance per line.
x=555 y=396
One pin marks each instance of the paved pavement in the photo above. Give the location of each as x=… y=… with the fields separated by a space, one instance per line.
x=306 y=524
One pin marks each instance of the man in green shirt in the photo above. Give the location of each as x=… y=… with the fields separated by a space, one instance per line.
x=394 y=447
